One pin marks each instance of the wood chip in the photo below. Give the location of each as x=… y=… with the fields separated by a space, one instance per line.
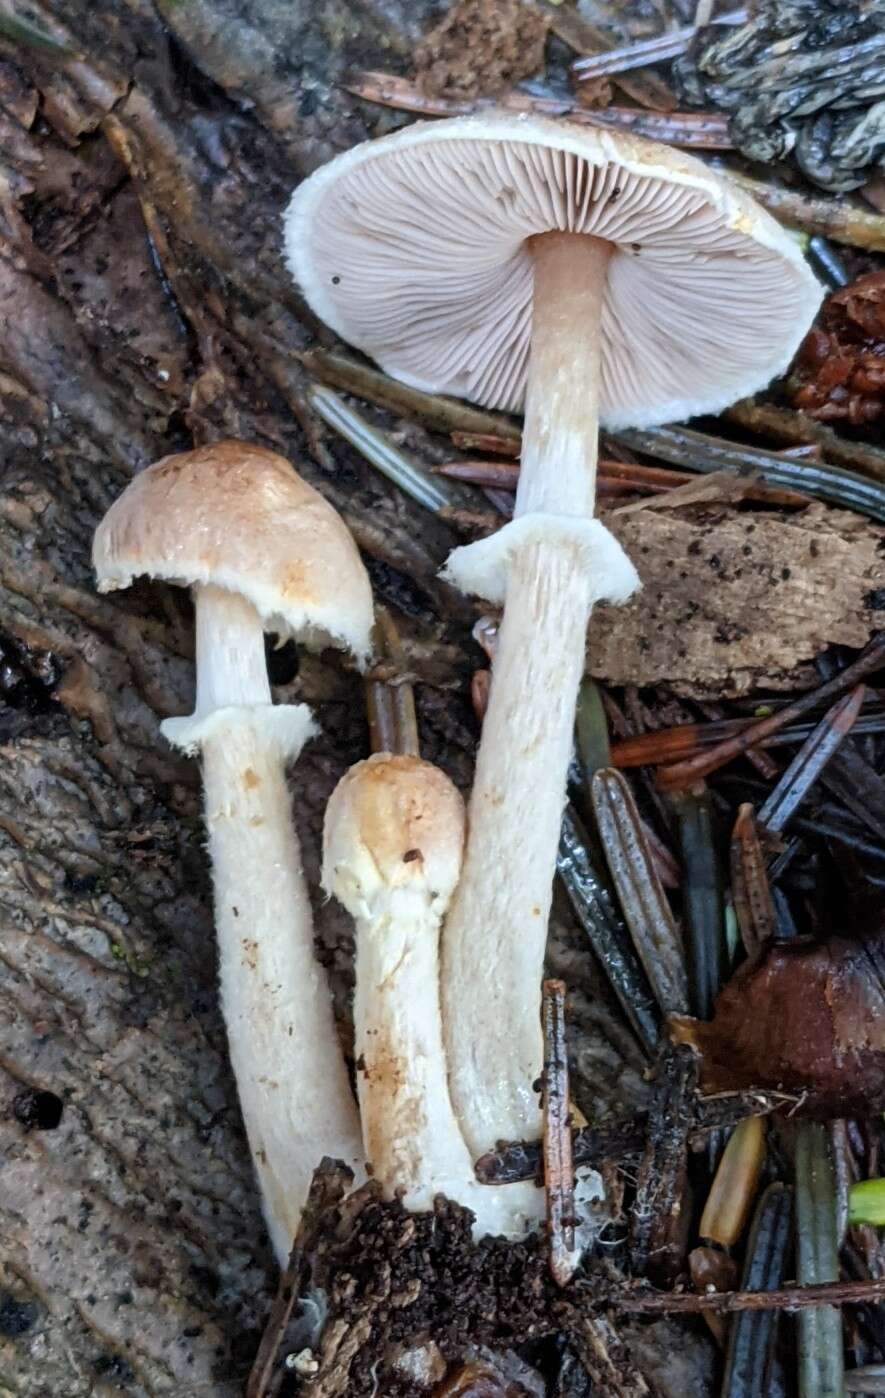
x=732 y=600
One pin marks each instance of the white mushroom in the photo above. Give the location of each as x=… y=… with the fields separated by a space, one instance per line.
x=394 y=837
x=587 y=276
x=263 y=551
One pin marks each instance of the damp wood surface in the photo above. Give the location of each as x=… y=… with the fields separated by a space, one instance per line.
x=144 y=306
x=736 y=600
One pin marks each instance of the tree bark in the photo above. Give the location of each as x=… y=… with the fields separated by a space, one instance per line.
x=144 y=306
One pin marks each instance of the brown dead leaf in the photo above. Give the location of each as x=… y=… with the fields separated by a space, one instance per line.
x=806 y=1018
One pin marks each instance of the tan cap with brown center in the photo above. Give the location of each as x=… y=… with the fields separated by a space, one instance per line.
x=238 y=517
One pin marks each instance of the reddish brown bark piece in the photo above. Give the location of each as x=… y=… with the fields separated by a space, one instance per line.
x=806 y=1018
x=840 y=369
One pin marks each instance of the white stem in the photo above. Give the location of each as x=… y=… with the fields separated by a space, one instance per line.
x=560 y=438
x=496 y=932
x=231 y=663
x=409 y=1130
x=410 y=1134
x=291 y=1077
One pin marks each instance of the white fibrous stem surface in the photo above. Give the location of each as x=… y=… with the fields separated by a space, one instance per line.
x=409 y=1129
x=292 y=1081
x=496 y=931
x=410 y=1134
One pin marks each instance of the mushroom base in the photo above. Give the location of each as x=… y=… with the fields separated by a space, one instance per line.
x=410 y=1300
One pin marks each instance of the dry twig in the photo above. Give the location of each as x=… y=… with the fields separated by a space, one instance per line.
x=559 y=1174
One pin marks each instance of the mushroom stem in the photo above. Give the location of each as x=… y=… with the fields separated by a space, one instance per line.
x=295 y=1097
x=231 y=663
x=409 y=1130
x=560 y=437
x=496 y=932
x=392 y=849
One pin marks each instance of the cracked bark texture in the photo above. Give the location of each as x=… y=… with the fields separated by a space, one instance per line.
x=144 y=306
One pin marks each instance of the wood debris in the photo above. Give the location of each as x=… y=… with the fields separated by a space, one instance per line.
x=481 y=47
x=736 y=600
x=840 y=369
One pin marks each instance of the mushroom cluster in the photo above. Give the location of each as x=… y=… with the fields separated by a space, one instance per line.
x=587 y=277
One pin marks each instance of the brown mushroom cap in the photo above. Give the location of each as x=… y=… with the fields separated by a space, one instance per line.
x=239 y=517
x=413 y=248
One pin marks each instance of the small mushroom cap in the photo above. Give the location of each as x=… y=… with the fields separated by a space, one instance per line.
x=239 y=517
x=413 y=247
x=393 y=824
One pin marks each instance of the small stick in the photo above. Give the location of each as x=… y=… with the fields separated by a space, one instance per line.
x=820 y=1348
x=698 y=451
x=666 y=745
x=559 y=1174
x=810 y=760
x=753 y=1335
x=498 y=475
x=386 y=456
x=656 y=1223
x=703 y=898
x=765 y=765
x=660 y=478
x=486 y=441
x=608 y=937
x=839 y=219
x=694 y=130
x=786 y=1298
x=797 y=429
x=707 y=130
x=749 y=883
x=328 y=1187
x=643 y=85
x=625 y=1139
x=644 y=904
x=441 y=414
x=691 y=770
x=393 y=725
x=858 y=786
x=658 y=49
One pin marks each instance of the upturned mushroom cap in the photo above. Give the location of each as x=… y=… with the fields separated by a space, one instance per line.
x=239 y=517
x=413 y=248
x=393 y=823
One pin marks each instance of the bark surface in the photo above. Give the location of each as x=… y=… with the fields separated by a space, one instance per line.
x=144 y=307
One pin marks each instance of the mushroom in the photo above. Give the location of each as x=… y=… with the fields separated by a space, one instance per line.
x=590 y=277
x=262 y=551
x=392 y=849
